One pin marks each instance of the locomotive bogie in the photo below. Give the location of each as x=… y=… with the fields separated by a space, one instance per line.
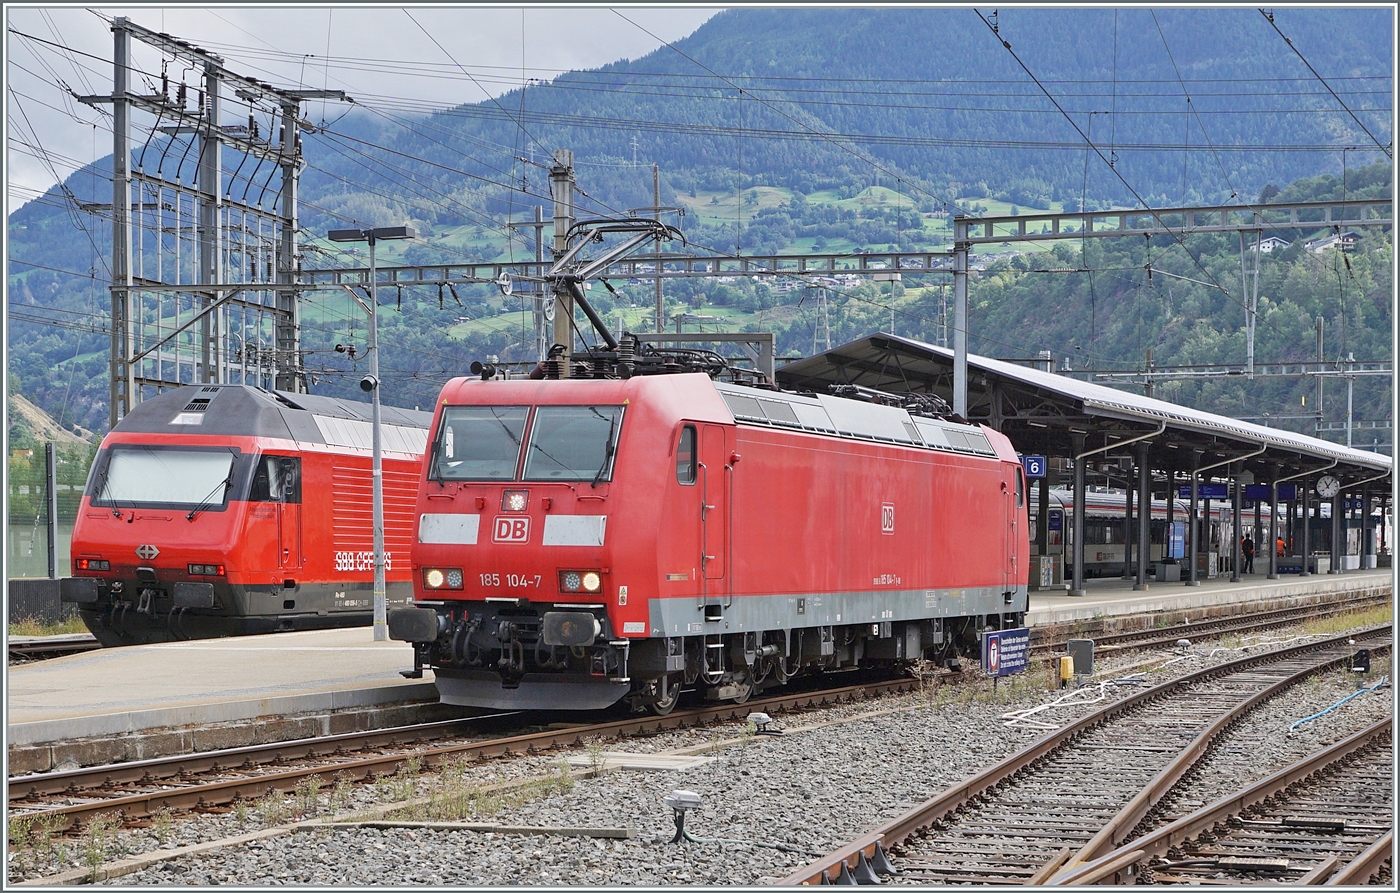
x=690 y=549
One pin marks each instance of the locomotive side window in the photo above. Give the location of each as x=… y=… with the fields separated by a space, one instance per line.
x=573 y=443
x=1020 y=487
x=277 y=479
x=685 y=456
x=478 y=443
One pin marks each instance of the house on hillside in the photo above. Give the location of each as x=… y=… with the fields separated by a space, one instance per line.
x=1345 y=241
x=1272 y=242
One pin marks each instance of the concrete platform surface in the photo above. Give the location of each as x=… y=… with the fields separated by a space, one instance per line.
x=115 y=690
x=1113 y=596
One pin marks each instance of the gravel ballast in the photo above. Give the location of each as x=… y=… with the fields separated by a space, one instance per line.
x=807 y=792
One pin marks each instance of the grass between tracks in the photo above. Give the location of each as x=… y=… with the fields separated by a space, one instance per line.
x=1340 y=623
x=31 y=626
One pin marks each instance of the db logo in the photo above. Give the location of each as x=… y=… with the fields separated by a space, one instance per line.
x=511 y=530
x=887 y=517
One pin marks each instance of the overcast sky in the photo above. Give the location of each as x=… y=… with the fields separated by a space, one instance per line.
x=289 y=46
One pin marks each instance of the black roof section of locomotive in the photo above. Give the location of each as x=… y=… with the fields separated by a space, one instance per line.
x=246 y=411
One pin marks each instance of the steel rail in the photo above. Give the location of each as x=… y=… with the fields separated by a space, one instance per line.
x=158 y=769
x=1117 y=829
x=832 y=867
x=1360 y=869
x=45 y=647
x=1110 y=865
x=1145 y=638
x=219 y=793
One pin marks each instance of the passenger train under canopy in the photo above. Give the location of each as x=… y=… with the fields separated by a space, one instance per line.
x=582 y=541
x=225 y=510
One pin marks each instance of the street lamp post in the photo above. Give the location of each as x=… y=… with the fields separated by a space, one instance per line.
x=371 y=383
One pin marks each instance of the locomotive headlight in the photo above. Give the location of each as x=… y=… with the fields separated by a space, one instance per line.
x=442 y=577
x=580 y=581
x=92 y=564
x=515 y=500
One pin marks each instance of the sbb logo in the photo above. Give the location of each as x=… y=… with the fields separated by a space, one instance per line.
x=511 y=530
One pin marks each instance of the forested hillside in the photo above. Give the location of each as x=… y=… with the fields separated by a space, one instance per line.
x=835 y=129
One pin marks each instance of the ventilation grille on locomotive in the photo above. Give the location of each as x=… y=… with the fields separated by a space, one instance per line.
x=821 y=414
x=200 y=402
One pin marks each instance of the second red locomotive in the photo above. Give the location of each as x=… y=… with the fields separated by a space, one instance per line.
x=226 y=509
x=582 y=541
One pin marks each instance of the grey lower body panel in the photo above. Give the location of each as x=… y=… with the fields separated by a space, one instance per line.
x=537 y=691
x=749 y=613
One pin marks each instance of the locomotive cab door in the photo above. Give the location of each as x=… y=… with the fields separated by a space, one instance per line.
x=278 y=481
x=1013 y=498
x=715 y=487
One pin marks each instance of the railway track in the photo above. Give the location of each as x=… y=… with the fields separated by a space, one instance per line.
x=1325 y=819
x=139 y=789
x=1257 y=621
x=24 y=649
x=1072 y=796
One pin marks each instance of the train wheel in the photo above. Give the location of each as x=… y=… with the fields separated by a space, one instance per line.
x=744 y=690
x=669 y=696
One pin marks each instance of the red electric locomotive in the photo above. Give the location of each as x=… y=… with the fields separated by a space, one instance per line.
x=226 y=510
x=582 y=541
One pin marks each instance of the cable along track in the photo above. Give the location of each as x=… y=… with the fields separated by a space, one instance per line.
x=1324 y=819
x=1072 y=796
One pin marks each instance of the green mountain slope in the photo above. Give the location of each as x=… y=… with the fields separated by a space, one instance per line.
x=845 y=129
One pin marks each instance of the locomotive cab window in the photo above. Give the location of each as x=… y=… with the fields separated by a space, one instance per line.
x=149 y=475
x=478 y=443
x=277 y=479
x=685 y=456
x=1020 y=487
x=573 y=443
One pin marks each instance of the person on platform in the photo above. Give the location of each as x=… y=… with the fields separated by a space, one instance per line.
x=1282 y=548
x=1247 y=549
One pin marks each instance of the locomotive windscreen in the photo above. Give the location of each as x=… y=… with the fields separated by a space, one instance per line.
x=478 y=443
x=149 y=475
x=572 y=443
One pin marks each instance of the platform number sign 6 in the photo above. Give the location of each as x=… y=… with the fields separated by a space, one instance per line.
x=1034 y=466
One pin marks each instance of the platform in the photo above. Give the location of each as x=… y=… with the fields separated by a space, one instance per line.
x=1111 y=596
x=113 y=691
x=174 y=685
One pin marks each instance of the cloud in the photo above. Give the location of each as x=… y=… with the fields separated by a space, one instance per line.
x=369 y=52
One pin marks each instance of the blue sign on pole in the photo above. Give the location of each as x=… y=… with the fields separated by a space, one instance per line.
x=1057 y=520
x=1177 y=547
x=1034 y=465
x=1205 y=491
x=1258 y=492
x=1006 y=652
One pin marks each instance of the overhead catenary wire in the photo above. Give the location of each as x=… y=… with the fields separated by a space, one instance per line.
x=1270 y=16
x=1177 y=237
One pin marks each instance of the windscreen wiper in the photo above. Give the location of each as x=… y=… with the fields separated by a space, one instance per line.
x=102 y=491
x=608 y=450
x=209 y=500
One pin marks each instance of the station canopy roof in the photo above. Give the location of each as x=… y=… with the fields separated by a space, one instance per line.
x=1041 y=412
